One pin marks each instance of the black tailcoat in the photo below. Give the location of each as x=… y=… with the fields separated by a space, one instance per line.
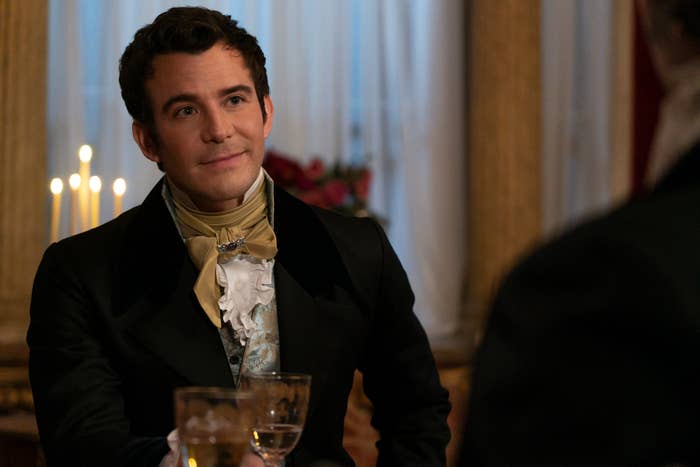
x=115 y=327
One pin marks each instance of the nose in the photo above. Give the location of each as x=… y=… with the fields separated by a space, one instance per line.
x=217 y=128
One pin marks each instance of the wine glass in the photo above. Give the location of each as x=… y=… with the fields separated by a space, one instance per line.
x=214 y=425
x=282 y=400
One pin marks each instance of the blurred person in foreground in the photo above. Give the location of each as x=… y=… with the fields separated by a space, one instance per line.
x=591 y=355
x=219 y=273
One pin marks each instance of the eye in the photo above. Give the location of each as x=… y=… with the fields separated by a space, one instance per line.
x=235 y=100
x=185 y=111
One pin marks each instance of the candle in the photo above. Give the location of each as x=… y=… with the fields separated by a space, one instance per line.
x=74 y=182
x=95 y=187
x=119 y=188
x=85 y=156
x=56 y=187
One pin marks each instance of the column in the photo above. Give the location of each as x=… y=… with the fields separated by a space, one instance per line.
x=23 y=185
x=622 y=99
x=504 y=131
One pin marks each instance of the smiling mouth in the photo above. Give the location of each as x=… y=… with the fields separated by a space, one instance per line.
x=223 y=159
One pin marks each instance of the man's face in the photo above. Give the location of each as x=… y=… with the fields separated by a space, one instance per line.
x=209 y=125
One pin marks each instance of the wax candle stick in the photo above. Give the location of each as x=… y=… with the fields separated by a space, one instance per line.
x=119 y=187
x=56 y=189
x=85 y=155
x=74 y=182
x=95 y=187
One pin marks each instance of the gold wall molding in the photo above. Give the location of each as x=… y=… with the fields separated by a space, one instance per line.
x=23 y=191
x=504 y=142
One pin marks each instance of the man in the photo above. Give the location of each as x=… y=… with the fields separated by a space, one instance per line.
x=592 y=351
x=218 y=273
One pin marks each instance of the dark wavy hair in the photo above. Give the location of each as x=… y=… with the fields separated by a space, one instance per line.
x=184 y=29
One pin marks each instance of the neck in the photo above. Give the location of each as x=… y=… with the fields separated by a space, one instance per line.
x=207 y=206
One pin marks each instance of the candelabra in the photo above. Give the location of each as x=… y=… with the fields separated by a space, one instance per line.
x=84 y=197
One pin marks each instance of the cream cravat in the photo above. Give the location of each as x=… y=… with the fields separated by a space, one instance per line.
x=216 y=237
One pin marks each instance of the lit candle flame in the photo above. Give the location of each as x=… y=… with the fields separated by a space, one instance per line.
x=74 y=181
x=95 y=184
x=56 y=186
x=119 y=187
x=85 y=153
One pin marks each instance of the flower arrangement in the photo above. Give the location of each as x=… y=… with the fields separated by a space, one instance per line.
x=341 y=188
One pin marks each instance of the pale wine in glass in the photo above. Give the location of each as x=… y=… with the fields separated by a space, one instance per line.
x=282 y=401
x=214 y=425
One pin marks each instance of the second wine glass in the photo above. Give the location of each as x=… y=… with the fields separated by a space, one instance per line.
x=282 y=400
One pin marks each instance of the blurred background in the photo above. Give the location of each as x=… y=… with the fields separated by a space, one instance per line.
x=472 y=129
x=356 y=82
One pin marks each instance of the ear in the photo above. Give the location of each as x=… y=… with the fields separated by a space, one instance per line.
x=143 y=138
x=270 y=111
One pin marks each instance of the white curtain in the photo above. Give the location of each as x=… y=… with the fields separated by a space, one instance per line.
x=360 y=80
x=422 y=136
x=576 y=71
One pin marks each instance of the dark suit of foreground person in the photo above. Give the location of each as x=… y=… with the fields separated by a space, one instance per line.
x=116 y=325
x=592 y=352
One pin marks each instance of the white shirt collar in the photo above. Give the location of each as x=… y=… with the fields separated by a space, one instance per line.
x=263 y=177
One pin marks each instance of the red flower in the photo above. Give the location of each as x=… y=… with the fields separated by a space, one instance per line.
x=335 y=192
x=283 y=170
x=314 y=197
x=303 y=182
x=342 y=188
x=315 y=169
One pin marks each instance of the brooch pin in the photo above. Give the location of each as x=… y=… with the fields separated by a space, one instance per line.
x=230 y=246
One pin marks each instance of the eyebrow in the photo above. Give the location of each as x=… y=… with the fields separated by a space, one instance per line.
x=186 y=97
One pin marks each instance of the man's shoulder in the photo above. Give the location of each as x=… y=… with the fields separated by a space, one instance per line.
x=345 y=250
x=659 y=230
x=146 y=219
x=646 y=221
x=349 y=229
x=102 y=235
x=346 y=232
x=94 y=250
x=146 y=224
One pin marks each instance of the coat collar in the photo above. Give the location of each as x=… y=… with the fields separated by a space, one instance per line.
x=305 y=248
x=308 y=269
x=162 y=312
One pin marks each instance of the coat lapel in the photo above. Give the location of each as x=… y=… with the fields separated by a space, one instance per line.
x=301 y=351
x=161 y=310
x=307 y=268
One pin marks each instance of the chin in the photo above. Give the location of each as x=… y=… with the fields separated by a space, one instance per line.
x=226 y=197
x=244 y=180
